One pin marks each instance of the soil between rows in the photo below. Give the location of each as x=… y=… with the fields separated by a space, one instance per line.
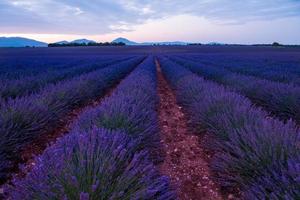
x=186 y=160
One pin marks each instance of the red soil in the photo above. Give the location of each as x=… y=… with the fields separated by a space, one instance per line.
x=186 y=160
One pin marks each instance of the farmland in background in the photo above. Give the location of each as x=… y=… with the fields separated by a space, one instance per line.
x=155 y=122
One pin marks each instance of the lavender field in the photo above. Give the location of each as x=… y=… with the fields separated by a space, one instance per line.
x=150 y=122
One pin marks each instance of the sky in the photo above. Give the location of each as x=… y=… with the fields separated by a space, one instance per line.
x=228 y=21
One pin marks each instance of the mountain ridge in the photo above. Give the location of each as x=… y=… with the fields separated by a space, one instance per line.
x=129 y=42
x=125 y=41
x=20 y=42
x=27 y=42
x=82 y=41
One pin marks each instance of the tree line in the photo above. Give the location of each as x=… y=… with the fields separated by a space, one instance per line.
x=86 y=44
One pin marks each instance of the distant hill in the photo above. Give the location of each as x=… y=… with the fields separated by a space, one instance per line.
x=129 y=42
x=125 y=41
x=62 y=42
x=78 y=41
x=20 y=42
x=83 y=41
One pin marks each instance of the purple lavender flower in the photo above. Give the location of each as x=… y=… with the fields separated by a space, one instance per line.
x=24 y=119
x=251 y=148
x=86 y=161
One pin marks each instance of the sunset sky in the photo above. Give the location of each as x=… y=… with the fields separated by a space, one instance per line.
x=230 y=21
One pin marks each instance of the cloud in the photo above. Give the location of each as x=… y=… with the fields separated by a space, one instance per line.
x=108 y=16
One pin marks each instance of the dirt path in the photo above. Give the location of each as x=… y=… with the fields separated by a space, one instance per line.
x=185 y=162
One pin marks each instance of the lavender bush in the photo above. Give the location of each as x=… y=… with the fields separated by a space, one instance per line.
x=131 y=108
x=283 y=185
x=250 y=146
x=18 y=67
x=106 y=154
x=282 y=100
x=32 y=84
x=98 y=164
x=275 y=67
x=24 y=119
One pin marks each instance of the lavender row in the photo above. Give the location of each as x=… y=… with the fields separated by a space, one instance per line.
x=12 y=67
x=281 y=100
x=106 y=154
x=22 y=120
x=280 y=75
x=17 y=68
x=98 y=164
x=131 y=108
x=282 y=70
x=32 y=84
x=257 y=154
